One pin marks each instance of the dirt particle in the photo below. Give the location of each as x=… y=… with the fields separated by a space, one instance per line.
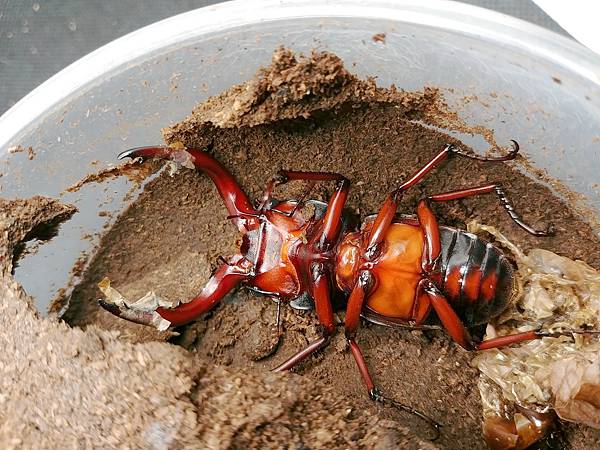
x=16 y=149
x=174 y=81
x=379 y=37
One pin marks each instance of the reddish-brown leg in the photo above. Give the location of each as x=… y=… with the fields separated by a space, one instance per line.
x=303 y=354
x=332 y=219
x=376 y=395
x=236 y=201
x=430 y=226
x=319 y=275
x=277 y=180
x=431 y=234
x=457 y=330
x=422 y=305
x=355 y=302
x=226 y=278
x=388 y=210
x=353 y=310
x=319 y=290
x=506 y=203
x=390 y=206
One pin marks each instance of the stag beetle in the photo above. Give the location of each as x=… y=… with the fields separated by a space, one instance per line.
x=394 y=270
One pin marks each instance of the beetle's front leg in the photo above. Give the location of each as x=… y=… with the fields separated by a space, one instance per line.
x=319 y=290
x=229 y=275
x=332 y=219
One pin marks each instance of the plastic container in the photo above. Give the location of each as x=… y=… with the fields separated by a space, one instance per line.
x=530 y=84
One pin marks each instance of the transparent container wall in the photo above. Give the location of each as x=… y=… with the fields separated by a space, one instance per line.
x=552 y=111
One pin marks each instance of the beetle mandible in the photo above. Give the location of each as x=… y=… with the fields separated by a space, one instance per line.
x=394 y=270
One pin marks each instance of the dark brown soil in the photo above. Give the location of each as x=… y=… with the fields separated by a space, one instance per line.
x=170 y=238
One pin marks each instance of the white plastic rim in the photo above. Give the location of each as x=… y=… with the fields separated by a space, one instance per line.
x=467 y=19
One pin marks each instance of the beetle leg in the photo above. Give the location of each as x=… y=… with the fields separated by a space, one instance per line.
x=386 y=214
x=264 y=204
x=512 y=154
x=450 y=320
x=303 y=354
x=488 y=188
x=355 y=305
x=271 y=344
x=236 y=201
x=457 y=330
x=503 y=341
x=422 y=305
x=226 y=278
x=388 y=210
x=265 y=199
x=299 y=202
x=355 y=302
x=431 y=234
x=376 y=395
x=278 y=317
x=319 y=289
x=332 y=219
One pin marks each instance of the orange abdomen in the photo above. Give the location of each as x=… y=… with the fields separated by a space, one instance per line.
x=473 y=275
x=397 y=271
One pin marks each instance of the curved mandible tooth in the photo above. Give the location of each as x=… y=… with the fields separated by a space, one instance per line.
x=236 y=201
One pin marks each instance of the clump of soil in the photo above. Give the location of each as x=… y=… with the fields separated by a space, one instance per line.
x=311 y=114
x=135 y=172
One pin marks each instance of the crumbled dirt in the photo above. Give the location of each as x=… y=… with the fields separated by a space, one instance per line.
x=311 y=114
x=135 y=172
x=19 y=149
x=378 y=37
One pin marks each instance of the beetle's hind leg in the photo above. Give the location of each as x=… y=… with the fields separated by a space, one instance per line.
x=512 y=154
x=489 y=188
x=376 y=395
x=355 y=305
